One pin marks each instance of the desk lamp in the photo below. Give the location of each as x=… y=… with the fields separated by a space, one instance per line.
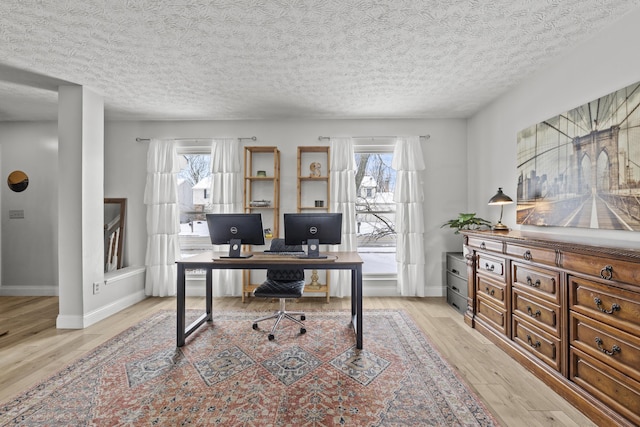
x=500 y=199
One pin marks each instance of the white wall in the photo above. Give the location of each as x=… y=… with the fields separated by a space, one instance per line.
x=29 y=245
x=445 y=177
x=602 y=65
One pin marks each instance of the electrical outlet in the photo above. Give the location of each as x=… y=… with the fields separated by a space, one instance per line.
x=96 y=288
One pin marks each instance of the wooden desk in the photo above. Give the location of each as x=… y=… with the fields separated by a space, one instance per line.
x=210 y=261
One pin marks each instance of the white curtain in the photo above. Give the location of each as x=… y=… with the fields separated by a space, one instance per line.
x=408 y=195
x=343 y=199
x=163 y=218
x=226 y=197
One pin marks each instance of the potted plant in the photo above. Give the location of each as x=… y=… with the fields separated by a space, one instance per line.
x=466 y=221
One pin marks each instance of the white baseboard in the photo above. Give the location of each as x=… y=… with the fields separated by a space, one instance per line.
x=29 y=291
x=81 y=322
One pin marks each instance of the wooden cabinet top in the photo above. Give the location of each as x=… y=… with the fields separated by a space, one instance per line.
x=554 y=243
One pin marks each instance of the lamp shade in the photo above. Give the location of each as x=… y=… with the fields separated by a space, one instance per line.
x=500 y=198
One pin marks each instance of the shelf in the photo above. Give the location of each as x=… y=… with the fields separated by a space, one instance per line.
x=312 y=188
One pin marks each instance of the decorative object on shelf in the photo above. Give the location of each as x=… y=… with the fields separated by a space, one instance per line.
x=314 y=280
x=466 y=221
x=262 y=174
x=268 y=234
x=260 y=203
x=18 y=181
x=500 y=199
x=316 y=170
x=319 y=203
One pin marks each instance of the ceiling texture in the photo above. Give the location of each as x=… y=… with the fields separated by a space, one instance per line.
x=284 y=59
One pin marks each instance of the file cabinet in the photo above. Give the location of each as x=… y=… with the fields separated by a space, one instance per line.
x=456 y=276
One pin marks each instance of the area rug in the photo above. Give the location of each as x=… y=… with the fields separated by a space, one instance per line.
x=228 y=374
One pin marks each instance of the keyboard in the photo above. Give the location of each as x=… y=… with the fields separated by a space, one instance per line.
x=285 y=253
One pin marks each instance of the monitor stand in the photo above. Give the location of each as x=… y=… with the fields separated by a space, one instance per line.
x=313 y=250
x=235 y=247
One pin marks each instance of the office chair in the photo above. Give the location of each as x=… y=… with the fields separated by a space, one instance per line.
x=282 y=284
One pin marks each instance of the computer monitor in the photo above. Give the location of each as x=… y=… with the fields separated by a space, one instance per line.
x=313 y=229
x=235 y=229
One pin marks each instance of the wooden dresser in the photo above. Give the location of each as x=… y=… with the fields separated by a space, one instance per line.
x=568 y=312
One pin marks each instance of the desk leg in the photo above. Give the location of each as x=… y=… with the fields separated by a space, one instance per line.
x=180 y=311
x=356 y=303
x=209 y=294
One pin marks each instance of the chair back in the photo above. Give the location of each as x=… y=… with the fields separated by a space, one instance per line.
x=294 y=274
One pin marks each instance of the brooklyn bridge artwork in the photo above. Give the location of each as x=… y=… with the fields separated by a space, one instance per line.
x=582 y=168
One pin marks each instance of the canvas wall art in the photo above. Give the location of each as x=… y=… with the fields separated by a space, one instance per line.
x=581 y=168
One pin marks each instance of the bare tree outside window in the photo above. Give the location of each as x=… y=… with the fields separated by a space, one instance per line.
x=375 y=211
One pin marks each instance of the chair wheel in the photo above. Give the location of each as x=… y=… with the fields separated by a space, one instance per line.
x=303 y=317
x=303 y=330
x=271 y=337
x=255 y=326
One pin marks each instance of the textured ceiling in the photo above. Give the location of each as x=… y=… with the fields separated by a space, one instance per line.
x=267 y=59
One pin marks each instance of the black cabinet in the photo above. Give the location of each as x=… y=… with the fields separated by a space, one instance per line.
x=456 y=276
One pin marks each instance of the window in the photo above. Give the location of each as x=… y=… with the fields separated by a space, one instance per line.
x=375 y=208
x=194 y=191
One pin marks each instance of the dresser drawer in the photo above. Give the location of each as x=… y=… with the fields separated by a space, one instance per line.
x=457 y=264
x=540 y=282
x=457 y=284
x=538 y=255
x=606 y=268
x=616 y=390
x=457 y=301
x=485 y=244
x=616 y=307
x=491 y=290
x=540 y=313
x=617 y=349
x=492 y=315
x=542 y=345
x=491 y=266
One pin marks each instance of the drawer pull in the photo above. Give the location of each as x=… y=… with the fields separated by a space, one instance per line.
x=607 y=272
x=455 y=289
x=483 y=246
x=530 y=282
x=531 y=343
x=455 y=305
x=614 y=307
x=490 y=292
x=489 y=267
x=527 y=255
x=532 y=314
x=615 y=349
x=454 y=271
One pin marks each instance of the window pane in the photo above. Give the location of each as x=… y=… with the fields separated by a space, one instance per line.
x=375 y=212
x=194 y=184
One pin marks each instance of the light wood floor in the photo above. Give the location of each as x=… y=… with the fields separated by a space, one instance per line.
x=34 y=349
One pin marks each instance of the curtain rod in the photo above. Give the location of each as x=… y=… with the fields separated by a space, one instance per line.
x=253 y=138
x=320 y=138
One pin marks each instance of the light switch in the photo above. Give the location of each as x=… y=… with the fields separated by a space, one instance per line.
x=16 y=214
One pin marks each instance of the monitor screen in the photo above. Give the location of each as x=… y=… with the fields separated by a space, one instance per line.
x=235 y=229
x=312 y=228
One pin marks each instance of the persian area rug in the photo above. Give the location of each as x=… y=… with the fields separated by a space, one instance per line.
x=228 y=374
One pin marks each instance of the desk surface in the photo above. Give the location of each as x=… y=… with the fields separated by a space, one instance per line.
x=258 y=258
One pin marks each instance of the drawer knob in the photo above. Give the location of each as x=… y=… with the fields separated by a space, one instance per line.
x=607 y=272
x=532 y=314
x=531 y=343
x=483 y=246
x=490 y=291
x=527 y=255
x=530 y=282
x=489 y=267
x=615 y=349
x=615 y=307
